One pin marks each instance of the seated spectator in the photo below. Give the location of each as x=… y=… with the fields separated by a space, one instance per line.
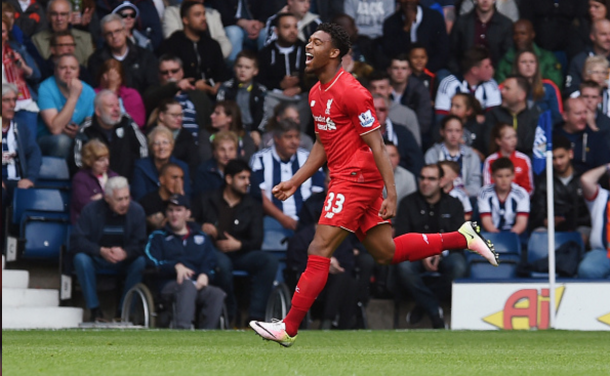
x=358 y=69
x=59 y=16
x=451 y=174
x=279 y=163
x=210 y=174
x=452 y=149
x=233 y=219
x=119 y=133
x=186 y=260
x=130 y=13
x=146 y=170
x=580 y=32
x=411 y=156
x=466 y=107
x=404 y=179
x=508 y=8
x=307 y=22
x=19 y=68
x=21 y=158
x=65 y=102
x=109 y=234
x=601 y=46
x=138 y=63
x=590 y=147
x=523 y=38
x=62 y=43
x=483 y=26
x=503 y=144
x=596 y=70
x=596 y=263
x=571 y=213
x=363 y=46
x=89 y=182
x=172 y=22
x=430 y=210
x=171 y=182
x=592 y=93
x=369 y=16
x=503 y=205
x=411 y=92
x=196 y=104
x=226 y=117
x=515 y=111
x=30 y=20
x=283 y=111
x=418 y=62
x=413 y=23
x=202 y=56
x=544 y=93
x=112 y=77
x=249 y=94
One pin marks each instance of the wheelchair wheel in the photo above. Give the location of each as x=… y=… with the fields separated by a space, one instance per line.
x=278 y=304
x=139 y=307
x=223 y=323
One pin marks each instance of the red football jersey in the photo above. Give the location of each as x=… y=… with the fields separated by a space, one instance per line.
x=343 y=111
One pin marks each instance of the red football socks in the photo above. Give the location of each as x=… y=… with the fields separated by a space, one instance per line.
x=413 y=247
x=310 y=285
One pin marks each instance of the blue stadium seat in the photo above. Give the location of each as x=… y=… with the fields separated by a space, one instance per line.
x=508 y=246
x=537 y=246
x=54 y=173
x=484 y=270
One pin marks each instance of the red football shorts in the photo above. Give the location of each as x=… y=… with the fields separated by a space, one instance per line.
x=353 y=206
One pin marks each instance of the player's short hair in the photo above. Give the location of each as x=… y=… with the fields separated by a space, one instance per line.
x=236 y=166
x=561 y=142
x=338 y=36
x=247 y=54
x=590 y=84
x=284 y=126
x=473 y=57
x=453 y=166
x=502 y=163
x=437 y=167
x=521 y=81
x=448 y=118
x=167 y=166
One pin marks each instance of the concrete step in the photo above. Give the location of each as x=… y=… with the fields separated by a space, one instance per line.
x=41 y=317
x=15 y=279
x=29 y=298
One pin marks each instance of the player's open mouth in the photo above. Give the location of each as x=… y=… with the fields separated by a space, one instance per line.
x=308 y=58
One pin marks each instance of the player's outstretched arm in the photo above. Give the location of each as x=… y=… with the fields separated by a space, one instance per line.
x=382 y=160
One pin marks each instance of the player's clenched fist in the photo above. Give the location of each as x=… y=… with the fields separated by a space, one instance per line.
x=284 y=190
x=388 y=208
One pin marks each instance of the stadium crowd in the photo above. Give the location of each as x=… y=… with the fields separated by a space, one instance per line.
x=177 y=118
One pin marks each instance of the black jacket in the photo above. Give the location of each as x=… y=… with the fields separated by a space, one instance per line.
x=186 y=150
x=228 y=91
x=527 y=121
x=417 y=97
x=412 y=214
x=273 y=69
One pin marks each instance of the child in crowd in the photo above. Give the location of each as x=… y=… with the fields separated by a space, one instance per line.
x=503 y=205
x=451 y=173
x=418 y=59
x=467 y=108
x=504 y=144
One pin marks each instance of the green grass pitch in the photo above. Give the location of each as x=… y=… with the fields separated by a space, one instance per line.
x=167 y=352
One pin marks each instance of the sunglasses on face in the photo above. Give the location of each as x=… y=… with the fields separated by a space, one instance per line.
x=128 y=15
x=168 y=71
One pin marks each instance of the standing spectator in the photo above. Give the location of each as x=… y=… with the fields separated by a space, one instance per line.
x=451 y=175
x=59 y=14
x=201 y=55
x=171 y=182
x=404 y=179
x=119 y=133
x=65 y=102
x=130 y=13
x=307 y=22
x=233 y=219
x=89 y=182
x=109 y=234
x=369 y=15
x=452 y=149
x=503 y=205
x=503 y=143
x=596 y=263
x=138 y=63
x=466 y=107
x=186 y=261
x=62 y=43
x=30 y=20
x=430 y=210
x=210 y=175
x=413 y=23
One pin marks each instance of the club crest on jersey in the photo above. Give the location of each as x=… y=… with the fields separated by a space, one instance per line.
x=366 y=119
x=328 y=104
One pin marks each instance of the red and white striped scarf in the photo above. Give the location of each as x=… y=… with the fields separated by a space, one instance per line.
x=14 y=74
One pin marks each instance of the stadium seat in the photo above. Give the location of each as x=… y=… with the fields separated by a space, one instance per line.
x=54 y=173
x=537 y=246
x=508 y=246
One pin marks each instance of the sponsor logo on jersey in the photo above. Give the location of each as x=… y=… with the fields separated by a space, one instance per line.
x=329 y=215
x=366 y=119
x=325 y=123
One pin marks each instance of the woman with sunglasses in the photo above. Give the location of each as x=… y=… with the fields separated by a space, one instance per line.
x=129 y=13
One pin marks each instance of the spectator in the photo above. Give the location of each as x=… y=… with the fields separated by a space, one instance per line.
x=59 y=14
x=484 y=27
x=202 y=56
x=452 y=149
x=571 y=213
x=359 y=70
x=171 y=182
x=196 y=104
x=112 y=77
x=364 y=50
x=596 y=70
x=130 y=13
x=413 y=23
x=466 y=107
x=508 y=8
x=523 y=39
x=138 y=63
x=591 y=93
x=580 y=31
x=418 y=62
x=119 y=133
x=146 y=170
x=596 y=263
x=30 y=20
x=503 y=144
x=19 y=68
x=233 y=219
x=411 y=92
x=89 y=182
x=210 y=174
x=451 y=174
x=172 y=22
x=21 y=158
x=186 y=260
x=62 y=43
x=283 y=111
x=544 y=93
x=600 y=36
x=411 y=156
x=307 y=22
x=503 y=205
x=369 y=15
x=13 y=29
x=247 y=92
x=65 y=102
x=430 y=210
x=404 y=179
x=110 y=234
x=279 y=163
x=514 y=111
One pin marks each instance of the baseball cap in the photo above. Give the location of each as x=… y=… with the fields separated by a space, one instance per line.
x=126 y=5
x=179 y=200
